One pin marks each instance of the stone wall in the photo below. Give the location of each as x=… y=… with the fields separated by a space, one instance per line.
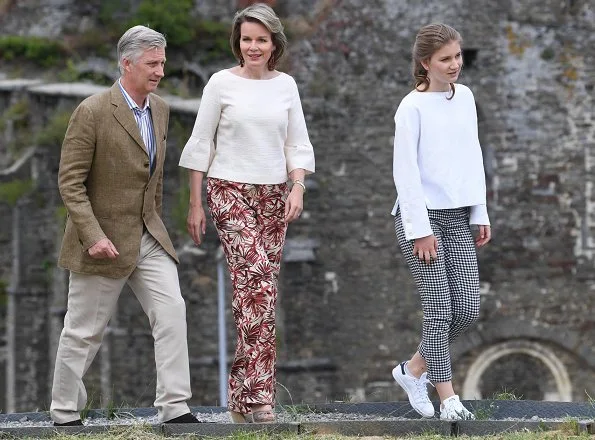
x=533 y=85
x=348 y=309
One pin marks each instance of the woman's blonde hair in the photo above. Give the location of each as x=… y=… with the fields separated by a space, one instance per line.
x=263 y=14
x=429 y=39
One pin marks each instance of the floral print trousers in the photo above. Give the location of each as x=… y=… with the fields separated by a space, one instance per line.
x=249 y=219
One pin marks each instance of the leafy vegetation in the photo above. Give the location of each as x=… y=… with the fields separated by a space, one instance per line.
x=17 y=112
x=43 y=51
x=17 y=117
x=3 y=292
x=172 y=18
x=11 y=192
x=180 y=209
x=186 y=33
x=53 y=132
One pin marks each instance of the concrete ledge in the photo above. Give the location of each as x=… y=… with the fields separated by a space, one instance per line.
x=383 y=409
x=350 y=428
x=357 y=419
x=519 y=409
x=51 y=431
x=378 y=427
x=227 y=429
x=493 y=427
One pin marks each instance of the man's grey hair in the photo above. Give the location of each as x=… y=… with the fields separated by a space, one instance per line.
x=135 y=41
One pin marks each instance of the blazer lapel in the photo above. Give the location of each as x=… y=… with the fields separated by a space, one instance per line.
x=124 y=116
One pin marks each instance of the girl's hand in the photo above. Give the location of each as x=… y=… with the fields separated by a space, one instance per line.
x=426 y=248
x=484 y=234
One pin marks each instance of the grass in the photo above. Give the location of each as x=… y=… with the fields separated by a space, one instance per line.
x=89 y=405
x=483 y=412
x=570 y=426
x=507 y=395
x=145 y=432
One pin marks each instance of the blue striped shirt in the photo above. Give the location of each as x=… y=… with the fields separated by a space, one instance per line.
x=145 y=124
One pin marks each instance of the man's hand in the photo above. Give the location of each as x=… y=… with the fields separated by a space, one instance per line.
x=104 y=248
x=426 y=248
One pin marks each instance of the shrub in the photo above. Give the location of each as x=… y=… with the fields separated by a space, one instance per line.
x=173 y=19
x=11 y=192
x=42 y=51
x=53 y=132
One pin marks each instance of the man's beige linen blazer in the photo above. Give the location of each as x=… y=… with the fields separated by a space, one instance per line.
x=106 y=186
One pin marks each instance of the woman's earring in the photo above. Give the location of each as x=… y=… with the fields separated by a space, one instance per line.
x=241 y=61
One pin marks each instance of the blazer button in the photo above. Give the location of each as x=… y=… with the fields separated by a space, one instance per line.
x=146 y=164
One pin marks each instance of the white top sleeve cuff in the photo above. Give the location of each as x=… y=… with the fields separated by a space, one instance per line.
x=479 y=215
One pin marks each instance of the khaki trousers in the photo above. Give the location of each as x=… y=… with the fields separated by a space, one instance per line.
x=91 y=303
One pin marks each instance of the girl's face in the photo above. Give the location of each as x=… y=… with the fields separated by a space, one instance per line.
x=256 y=44
x=444 y=66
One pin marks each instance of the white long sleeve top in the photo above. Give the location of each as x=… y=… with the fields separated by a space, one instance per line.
x=437 y=161
x=249 y=131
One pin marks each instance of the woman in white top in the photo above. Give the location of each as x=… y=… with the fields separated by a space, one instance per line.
x=250 y=137
x=440 y=180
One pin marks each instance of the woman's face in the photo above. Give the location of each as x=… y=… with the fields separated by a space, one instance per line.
x=444 y=66
x=256 y=44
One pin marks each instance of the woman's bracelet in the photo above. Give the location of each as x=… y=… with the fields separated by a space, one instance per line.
x=300 y=183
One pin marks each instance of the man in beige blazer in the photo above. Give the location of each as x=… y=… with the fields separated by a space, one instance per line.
x=110 y=179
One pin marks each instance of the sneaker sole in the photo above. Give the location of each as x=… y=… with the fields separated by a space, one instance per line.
x=397 y=377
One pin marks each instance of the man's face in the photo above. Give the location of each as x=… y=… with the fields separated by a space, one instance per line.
x=143 y=75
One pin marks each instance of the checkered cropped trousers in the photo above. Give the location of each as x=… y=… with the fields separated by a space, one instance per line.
x=448 y=286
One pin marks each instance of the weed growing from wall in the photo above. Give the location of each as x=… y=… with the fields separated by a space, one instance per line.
x=11 y=192
x=53 y=132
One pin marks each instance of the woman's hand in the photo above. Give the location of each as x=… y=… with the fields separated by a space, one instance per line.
x=196 y=223
x=426 y=248
x=294 y=205
x=484 y=234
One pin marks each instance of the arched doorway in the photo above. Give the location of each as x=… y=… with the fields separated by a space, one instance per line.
x=533 y=367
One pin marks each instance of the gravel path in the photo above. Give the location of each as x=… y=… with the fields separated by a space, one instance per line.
x=124 y=418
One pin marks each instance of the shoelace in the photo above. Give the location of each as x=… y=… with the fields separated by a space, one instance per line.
x=421 y=388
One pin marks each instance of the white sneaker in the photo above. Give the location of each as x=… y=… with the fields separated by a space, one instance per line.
x=416 y=389
x=453 y=409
